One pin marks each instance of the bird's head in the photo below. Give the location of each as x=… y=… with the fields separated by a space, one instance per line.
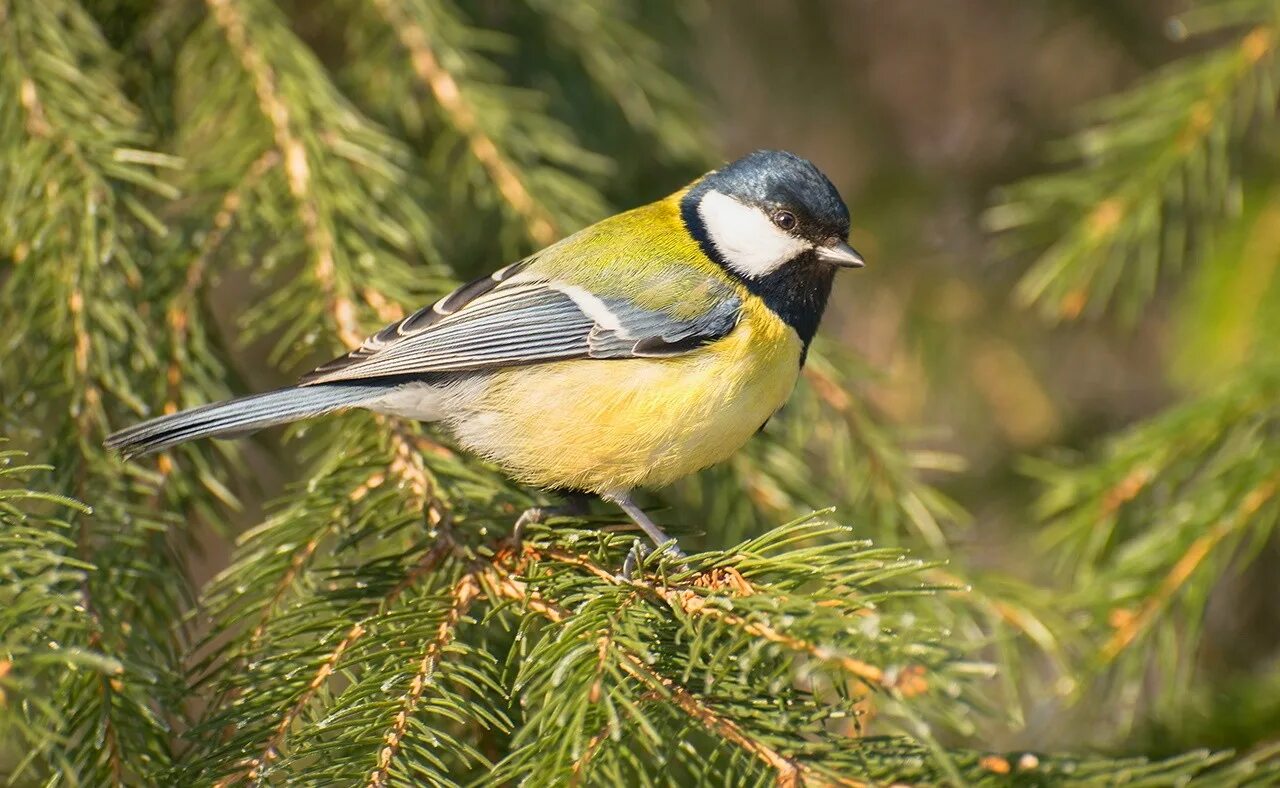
x=766 y=210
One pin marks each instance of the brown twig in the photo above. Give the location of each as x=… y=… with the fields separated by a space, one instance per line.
x=1107 y=217
x=406 y=463
x=340 y=308
x=303 y=554
x=788 y=771
x=461 y=115
x=1186 y=566
x=36 y=124
x=692 y=603
x=464 y=593
x=297 y=165
x=252 y=768
x=499 y=583
x=579 y=769
x=178 y=315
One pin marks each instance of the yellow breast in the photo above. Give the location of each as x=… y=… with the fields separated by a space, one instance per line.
x=601 y=425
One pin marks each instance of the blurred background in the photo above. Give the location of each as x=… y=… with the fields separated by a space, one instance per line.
x=1056 y=375
x=921 y=112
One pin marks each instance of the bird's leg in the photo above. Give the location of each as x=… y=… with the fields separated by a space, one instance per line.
x=575 y=505
x=655 y=534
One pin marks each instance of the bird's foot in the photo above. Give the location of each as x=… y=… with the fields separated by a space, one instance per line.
x=531 y=516
x=635 y=555
x=650 y=528
x=639 y=552
x=574 y=506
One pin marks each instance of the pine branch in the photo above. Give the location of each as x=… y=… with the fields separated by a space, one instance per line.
x=1158 y=521
x=1156 y=167
x=464 y=593
x=269 y=750
x=407 y=19
x=498 y=145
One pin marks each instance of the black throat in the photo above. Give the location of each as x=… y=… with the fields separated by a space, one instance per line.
x=796 y=292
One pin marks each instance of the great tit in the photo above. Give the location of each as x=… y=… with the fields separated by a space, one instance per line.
x=641 y=349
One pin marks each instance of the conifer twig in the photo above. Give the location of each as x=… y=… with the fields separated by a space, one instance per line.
x=38 y=125
x=1153 y=167
x=788 y=771
x=909 y=682
x=579 y=768
x=462 y=117
x=503 y=584
x=178 y=315
x=1186 y=566
x=270 y=750
x=304 y=553
x=296 y=163
x=464 y=593
x=340 y=308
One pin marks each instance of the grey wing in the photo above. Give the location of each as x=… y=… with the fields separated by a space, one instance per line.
x=504 y=320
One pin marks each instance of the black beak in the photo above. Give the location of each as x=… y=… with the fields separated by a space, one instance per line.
x=841 y=254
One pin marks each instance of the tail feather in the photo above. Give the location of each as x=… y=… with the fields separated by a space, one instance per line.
x=239 y=416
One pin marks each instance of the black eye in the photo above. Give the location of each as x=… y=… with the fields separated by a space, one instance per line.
x=785 y=219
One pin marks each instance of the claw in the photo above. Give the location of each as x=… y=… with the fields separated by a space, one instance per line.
x=574 y=506
x=531 y=516
x=635 y=555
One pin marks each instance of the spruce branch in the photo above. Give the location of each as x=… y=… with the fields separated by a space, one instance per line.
x=505 y=586
x=500 y=145
x=78 y=186
x=692 y=603
x=230 y=17
x=1131 y=626
x=329 y=269
x=179 y=313
x=623 y=60
x=407 y=18
x=270 y=749
x=1152 y=526
x=194 y=374
x=1149 y=176
x=464 y=593
x=378 y=627
x=44 y=626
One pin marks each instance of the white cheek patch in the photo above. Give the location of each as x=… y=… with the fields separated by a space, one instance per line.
x=745 y=237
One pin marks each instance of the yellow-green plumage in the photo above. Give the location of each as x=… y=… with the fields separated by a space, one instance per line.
x=601 y=425
x=644 y=255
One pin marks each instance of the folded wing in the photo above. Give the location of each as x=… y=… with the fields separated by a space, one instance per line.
x=514 y=318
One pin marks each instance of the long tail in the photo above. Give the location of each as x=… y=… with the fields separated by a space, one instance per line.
x=239 y=416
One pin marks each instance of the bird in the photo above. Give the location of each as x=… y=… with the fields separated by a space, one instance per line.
x=632 y=353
